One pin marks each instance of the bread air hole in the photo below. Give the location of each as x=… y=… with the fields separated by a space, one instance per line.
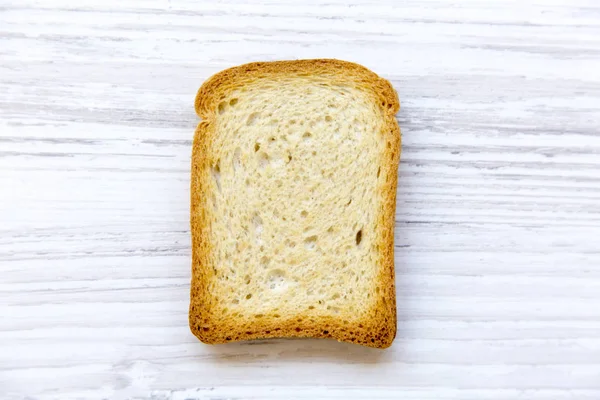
x=256 y=147
x=216 y=174
x=334 y=309
x=310 y=242
x=306 y=136
x=277 y=279
x=258 y=225
x=252 y=119
x=336 y=133
x=222 y=107
x=264 y=261
x=237 y=162
x=263 y=159
x=358 y=237
x=233 y=102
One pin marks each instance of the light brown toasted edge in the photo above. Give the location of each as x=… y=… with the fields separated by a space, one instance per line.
x=377 y=331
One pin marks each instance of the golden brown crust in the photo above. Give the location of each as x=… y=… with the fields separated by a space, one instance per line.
x=380 y=330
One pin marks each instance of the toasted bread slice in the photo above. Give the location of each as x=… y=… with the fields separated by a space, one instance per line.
x=293 y=194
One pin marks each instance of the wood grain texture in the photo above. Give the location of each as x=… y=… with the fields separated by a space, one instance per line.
x=498 y=214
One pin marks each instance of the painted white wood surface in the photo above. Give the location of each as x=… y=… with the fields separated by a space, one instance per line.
x=498 y=215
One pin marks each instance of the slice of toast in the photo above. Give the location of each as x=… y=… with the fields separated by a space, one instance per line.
x=293 y=195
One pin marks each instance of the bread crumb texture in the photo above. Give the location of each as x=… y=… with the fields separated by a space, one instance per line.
x=293 y=194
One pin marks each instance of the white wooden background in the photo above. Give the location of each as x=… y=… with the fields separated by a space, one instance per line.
x=498 y=218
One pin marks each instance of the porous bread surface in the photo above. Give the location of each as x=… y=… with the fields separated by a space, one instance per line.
x=293 y=188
